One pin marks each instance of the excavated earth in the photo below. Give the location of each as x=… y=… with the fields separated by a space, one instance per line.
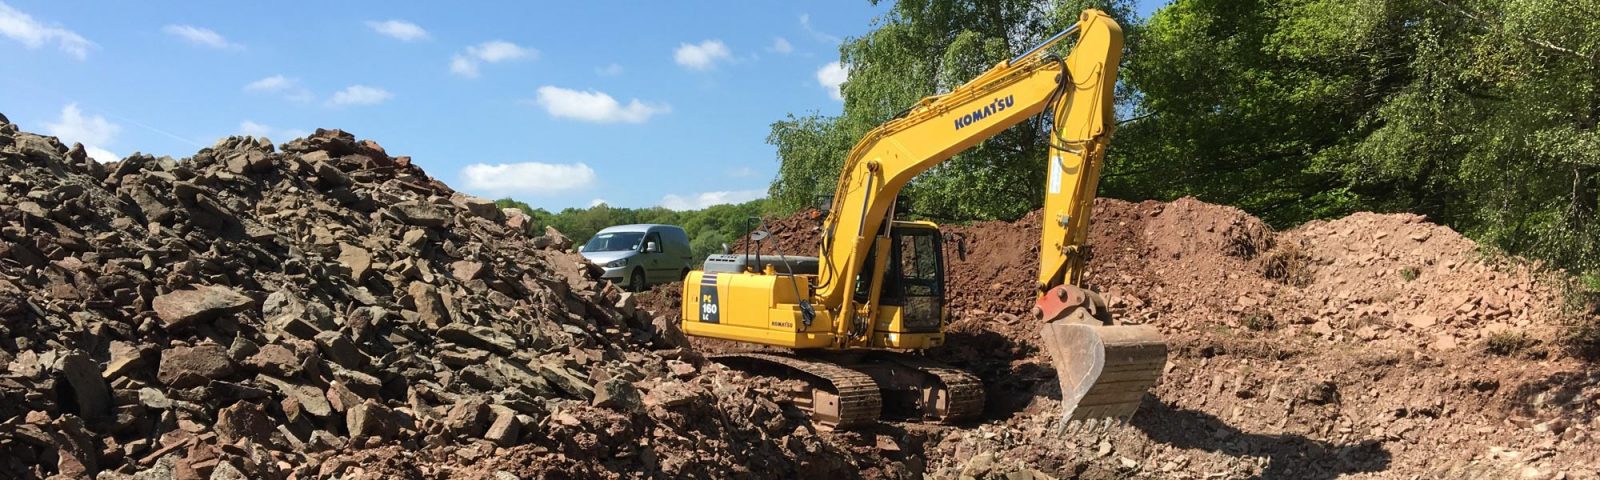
x=322 y=309
x=1371 y=346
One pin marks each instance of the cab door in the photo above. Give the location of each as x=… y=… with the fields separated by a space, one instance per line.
x=915 y=279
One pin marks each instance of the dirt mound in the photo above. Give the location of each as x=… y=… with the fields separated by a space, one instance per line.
x=1376 y=345
x=327 y=310
x=797 y=234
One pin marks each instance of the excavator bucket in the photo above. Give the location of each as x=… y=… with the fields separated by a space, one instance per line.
x=1104 y=370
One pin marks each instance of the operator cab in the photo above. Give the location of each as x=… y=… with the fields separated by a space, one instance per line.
x=914 y=283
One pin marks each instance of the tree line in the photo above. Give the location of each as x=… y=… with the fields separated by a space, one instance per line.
x=708 y=228
x=1480 y=114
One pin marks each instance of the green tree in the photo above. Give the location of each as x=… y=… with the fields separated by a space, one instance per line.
x=921 y=48
x=1479 y=113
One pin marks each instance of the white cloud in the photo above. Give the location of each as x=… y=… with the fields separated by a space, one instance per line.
x=204 y=37
x=805 y=22
x=781 y=45
x=92 y=131
x=399 y=30
x=101 y=155
x=273 y=83
x=288 y=87
x=254 y=129
x=463 y=66
x=707 y=199
x=611 y=70
x=360 y=95
x=742 y=172
x=832 y=75
x=466 y=63
x=703 y=56
x=23 y=28
x=528 y=178
x=594 y=106
x=597 y=202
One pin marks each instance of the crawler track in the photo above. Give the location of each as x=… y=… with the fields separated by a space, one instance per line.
x=959 y=395
x=840 y=397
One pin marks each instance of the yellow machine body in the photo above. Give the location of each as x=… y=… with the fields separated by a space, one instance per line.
x=763 y=306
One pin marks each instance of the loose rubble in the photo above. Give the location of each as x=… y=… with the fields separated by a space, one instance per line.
x=324 y=309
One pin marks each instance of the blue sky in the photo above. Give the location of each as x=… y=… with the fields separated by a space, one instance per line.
x=560 y=105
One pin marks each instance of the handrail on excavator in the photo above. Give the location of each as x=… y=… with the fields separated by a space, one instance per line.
x=1046 y=44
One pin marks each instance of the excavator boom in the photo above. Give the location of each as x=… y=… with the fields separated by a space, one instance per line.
x=870 y=288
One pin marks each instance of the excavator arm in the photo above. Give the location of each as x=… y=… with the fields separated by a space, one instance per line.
x=1104 y=370
x=1077 y=90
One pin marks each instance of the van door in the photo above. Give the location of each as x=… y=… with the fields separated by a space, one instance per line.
x=655 y=260
x=680 y=252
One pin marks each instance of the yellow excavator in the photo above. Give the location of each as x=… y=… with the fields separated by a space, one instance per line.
x=850 y=322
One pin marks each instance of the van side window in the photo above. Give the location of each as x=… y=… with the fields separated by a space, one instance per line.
x=653 y=237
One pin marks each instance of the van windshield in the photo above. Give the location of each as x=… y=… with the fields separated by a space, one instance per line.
x=614 y=242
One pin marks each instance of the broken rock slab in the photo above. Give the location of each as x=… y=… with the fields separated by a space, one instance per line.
x=479 y=206
x=125 y=358
x=89 y=389
x=311 y=399
x=566 y=380
x=357 y=259
x=518 y=221
x=617 y=394
x=336 y=346
x=287 y=313
x=369 y=418
x=183 y=367
x=479 y=337
x=275 y=359
x=243 y=420
x=467 y=270
x=421 y=215
x=430 y=306
x=185 y=307
x=505 y=429
x=467 y=417
x=558 y=241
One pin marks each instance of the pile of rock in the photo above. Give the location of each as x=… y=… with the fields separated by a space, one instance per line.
x=252 y=312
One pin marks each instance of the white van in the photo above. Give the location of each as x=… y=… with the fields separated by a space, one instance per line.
x=639 y=256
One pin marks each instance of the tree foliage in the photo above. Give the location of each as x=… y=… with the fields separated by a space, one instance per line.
x=921 y=48
x=1481 y=114
x=708 y=228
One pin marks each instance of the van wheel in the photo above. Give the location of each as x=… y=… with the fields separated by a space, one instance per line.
x=636 y=281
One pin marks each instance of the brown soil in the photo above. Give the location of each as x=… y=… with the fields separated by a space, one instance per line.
x=1359 y=346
